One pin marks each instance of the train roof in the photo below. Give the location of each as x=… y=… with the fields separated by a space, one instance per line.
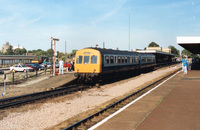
x=111 y=51
x=156 y=52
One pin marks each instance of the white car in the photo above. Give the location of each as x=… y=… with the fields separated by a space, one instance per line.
x=20 y=67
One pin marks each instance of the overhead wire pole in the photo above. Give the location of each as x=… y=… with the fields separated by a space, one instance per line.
x=54 y=55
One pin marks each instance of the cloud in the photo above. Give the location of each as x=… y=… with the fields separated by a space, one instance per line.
x=29 y=22
x=108 y=14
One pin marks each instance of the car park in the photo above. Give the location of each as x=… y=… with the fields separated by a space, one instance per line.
x=42 y=66
x=1 y=72
x=35 y=66
x=20 y=67
x=48 y=64
x=57 y=65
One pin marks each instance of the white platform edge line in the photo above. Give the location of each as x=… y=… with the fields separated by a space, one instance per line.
x=107 y=118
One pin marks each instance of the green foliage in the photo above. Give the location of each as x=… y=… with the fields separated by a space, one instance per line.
x=174 y=50
x=153 y=44
x=188 y=53
x=50 y=52
x=73 y=53
x=41 y=53
x=19 y=51
x=60 y=54
x=10 y=51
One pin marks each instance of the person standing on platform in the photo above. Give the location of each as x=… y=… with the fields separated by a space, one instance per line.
x=189 y=63
x=61 y=66
x=184 y=63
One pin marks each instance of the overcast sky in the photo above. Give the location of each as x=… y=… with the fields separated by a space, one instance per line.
x=83 y=23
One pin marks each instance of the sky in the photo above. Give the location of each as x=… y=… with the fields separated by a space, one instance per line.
x=84 y=23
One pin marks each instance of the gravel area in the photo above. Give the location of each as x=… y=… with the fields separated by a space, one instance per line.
x=49 y=114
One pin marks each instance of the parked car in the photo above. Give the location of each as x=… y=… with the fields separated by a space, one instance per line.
x=35 y=66
x=1 y=72
x=57 y=65
x=48 y=64
x=41 y=66
x=20 y=67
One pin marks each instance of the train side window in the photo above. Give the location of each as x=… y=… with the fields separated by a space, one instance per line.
x=125 y=59
x=131 y=60
x=128 y=60
x=119 y=59
x=122 y=59
x=93 y=59
x=107 y=59
x=116 y=59
x=79 y=59
x=143 y=59
x=111 y=59
x=86 y=59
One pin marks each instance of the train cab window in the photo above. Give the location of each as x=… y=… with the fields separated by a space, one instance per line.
x=79 y=60
x=107 y=59
x=86 y=59
x=123 y=59
x=93 y=59
x=111 y=59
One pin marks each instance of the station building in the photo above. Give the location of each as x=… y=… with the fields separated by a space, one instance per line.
x=192 y=44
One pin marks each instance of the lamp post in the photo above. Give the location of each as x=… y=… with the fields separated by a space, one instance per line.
x=54 y=55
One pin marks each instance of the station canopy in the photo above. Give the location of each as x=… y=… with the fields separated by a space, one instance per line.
x=191 y=44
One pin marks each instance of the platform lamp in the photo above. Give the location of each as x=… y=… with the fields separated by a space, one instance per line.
x=54 y=54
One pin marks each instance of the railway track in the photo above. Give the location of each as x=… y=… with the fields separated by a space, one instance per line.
x=23 y=99
x=100 y=115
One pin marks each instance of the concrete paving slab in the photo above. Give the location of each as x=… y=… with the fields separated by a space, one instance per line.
x=131 y=117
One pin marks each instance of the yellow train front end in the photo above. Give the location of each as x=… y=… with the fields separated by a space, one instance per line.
x=88 y=63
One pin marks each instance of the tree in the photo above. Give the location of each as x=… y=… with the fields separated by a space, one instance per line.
x=23 y=51
x=73 y=52
x=1 y=53
x=60 y=54
x=188 y=53
x=153 y=44
x=41 y=53
x=174 y=50
x=50 y=52
x=9 y=51
x=19 y=51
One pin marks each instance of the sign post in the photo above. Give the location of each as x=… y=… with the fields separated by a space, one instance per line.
x=54 y=56
x=4 y=77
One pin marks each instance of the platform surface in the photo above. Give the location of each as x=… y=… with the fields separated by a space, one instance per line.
x=175 y=105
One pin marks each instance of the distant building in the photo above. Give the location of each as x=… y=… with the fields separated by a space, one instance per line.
x=18 y=47
x=5 y=47
x=167 y=50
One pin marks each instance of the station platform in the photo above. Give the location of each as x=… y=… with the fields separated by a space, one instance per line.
x=174 y=105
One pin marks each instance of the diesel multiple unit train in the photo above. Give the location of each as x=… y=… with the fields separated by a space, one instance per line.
x=94 y=62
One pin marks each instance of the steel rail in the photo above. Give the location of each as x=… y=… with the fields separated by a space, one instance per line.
x=18 y=100
x=75 y=125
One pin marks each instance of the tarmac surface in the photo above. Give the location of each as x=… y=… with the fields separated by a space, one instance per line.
x=175 y=105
